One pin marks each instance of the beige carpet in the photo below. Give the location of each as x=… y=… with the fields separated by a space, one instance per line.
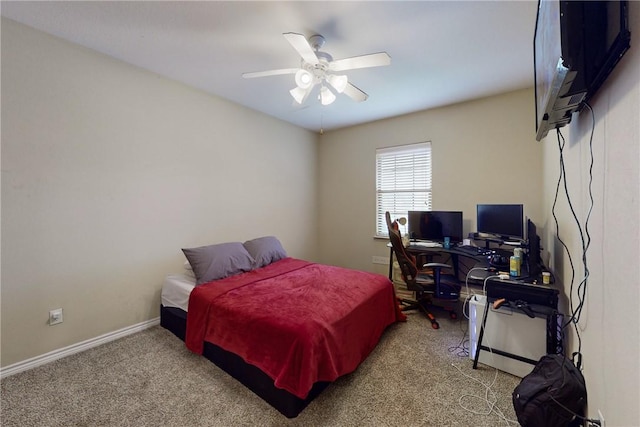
x=416 y=376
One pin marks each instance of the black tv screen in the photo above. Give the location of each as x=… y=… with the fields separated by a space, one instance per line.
x=435 y=225
x=576 y=46
x=502 y=221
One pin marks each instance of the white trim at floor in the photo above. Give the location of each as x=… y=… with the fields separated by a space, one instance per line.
x=76 y=348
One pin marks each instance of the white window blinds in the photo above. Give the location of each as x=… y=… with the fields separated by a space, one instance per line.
x=403 y=182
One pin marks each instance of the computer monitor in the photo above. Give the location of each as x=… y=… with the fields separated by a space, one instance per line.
x=435 y=225
x=534 y=261
x=504 y=222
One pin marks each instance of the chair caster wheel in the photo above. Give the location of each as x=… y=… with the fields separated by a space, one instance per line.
x=453 y=315
x=435 y=325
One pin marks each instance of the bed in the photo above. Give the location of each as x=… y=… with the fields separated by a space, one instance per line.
x=285 y=328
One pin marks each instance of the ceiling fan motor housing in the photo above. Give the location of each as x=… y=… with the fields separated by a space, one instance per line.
x=319 y=70
x=316 y=41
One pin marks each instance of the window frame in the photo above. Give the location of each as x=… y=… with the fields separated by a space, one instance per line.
x=401 y=183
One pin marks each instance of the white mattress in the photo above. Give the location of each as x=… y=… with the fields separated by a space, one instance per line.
x=176 y=290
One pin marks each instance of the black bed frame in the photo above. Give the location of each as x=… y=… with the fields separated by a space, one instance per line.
x=175 y=320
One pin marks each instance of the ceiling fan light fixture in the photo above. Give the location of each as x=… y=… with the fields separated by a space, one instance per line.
x=326 y=96
x=299 y=94
x=304 y=79
x=339 y=83
x=316 y=67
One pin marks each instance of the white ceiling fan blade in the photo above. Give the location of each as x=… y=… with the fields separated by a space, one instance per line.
x=372 y=60
x=302 y=46
x=355 y=93
x=270 y=73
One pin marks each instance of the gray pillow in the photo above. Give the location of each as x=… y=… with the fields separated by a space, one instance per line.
x=265 y=250
x=218 y=261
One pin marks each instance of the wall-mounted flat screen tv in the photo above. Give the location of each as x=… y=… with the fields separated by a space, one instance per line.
x=576 y=46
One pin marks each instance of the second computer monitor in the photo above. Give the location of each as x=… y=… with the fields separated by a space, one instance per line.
x=502 y=221
x=435 y=225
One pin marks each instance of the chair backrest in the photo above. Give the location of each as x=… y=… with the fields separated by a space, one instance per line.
x=410 y=271
x=406 y=262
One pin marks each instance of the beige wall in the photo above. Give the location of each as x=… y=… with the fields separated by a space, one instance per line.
x=610 y=322
x=483 y=151
x=108 y=170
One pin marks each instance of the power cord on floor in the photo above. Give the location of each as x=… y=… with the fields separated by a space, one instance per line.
x=489 y=399
x=462 y=348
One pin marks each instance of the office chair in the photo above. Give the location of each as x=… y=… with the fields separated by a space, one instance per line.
x=431 y=287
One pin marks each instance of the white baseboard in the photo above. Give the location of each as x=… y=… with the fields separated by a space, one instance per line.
x=76 y=348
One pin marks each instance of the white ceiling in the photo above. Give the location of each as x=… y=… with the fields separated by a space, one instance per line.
x=442 y=52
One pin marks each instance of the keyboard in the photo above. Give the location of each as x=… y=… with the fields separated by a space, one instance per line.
x=426 y=244
x=472 y=250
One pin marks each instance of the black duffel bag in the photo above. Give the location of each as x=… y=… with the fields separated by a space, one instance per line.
x=553 y=394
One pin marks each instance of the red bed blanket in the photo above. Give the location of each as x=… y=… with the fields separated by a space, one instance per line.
x=299 y=322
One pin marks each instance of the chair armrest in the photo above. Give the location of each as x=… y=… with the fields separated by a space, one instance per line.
x=435 y=265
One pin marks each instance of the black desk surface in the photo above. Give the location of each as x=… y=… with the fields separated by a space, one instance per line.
x=528 y=288
x=468 y=251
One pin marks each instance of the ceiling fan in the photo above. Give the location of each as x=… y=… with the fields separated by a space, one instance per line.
x=317 y=69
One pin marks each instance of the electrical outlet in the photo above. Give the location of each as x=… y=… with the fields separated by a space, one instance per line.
x=55 y=316
x=381 y=260
x=601 y=418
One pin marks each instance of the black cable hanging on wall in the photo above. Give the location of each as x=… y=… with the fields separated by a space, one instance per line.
x=585 y=237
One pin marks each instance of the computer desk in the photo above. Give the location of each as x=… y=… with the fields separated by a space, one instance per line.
x=526 y=294
x=454 y=252
x=532 y=299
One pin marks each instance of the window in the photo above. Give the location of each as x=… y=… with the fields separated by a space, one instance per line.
x=403 y=182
